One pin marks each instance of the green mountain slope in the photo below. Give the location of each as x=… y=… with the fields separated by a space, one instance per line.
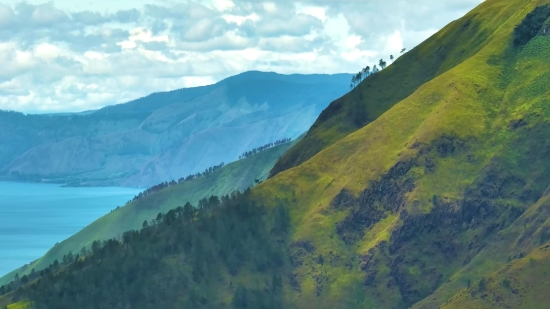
x=447 y=187
x=521 y=284
x=236 y=176
x=449 y=47
x=414 y=200
x=164 y=135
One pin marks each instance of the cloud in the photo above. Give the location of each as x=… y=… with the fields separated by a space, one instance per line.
x=65 y=56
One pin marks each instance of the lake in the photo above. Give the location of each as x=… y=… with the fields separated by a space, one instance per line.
x=33 y=217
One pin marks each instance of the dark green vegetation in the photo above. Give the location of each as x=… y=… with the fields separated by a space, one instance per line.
x=213 y=169
x=236 y=176
x=186 y=258
x=257 y=150
x=531 y=25
x=164 y=135
x=438 y=197
x=166 y=184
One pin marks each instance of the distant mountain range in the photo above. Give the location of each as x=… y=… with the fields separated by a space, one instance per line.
x=164 y=135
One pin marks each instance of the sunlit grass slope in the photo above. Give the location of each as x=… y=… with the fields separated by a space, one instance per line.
x=6 y=301
x=19 y=305
x=431 y=183
x=238 y=175
x=452 y=45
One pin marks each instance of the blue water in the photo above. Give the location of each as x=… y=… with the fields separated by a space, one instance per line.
x=33 y=217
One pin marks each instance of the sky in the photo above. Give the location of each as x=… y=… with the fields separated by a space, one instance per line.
x=67 y=55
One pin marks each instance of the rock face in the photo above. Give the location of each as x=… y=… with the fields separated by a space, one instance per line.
x=165 y=135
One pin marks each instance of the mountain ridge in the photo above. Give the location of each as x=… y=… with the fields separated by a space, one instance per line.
x=113 y=145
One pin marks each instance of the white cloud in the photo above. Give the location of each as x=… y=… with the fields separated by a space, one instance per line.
x=223 y=5
x=46 y=51
x=71 y=55
x=315 y=11
x=140 y=34
x=237 y=19
x=394 y=42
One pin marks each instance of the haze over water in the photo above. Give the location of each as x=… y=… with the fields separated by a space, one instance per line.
x=33 y=217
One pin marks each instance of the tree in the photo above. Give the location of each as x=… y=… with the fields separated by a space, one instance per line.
x=382 y=64
x=353 y=80
x=403 y=50
x=188 y=212
x=375 y=69
x=96 y=245
x=366 y=71
x=145 y=224
x=391 y=58
x=240 y=298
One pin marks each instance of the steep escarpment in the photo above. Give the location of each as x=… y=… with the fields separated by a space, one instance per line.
x=441 y=200
x=448 y=48
x=425 y=191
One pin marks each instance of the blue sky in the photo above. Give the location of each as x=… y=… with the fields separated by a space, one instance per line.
x=81 y=55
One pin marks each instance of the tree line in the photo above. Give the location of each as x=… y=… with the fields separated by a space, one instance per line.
x=167 y=184
x=367 y=71
x=264 y=147
x=187 y=258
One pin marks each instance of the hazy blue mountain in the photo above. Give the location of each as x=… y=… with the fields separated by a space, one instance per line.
x=164 y=135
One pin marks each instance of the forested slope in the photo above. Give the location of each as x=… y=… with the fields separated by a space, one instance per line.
x=236 y=176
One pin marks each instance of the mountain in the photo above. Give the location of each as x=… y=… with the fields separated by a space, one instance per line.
x=438 y=197
x=164 y=135
x=236 y=176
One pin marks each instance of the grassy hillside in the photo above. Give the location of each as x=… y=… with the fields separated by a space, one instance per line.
x=443 y=192
x=430 y=183
x=236 y=176
x=522 y=283
x=522 y=280
x=451 y=46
